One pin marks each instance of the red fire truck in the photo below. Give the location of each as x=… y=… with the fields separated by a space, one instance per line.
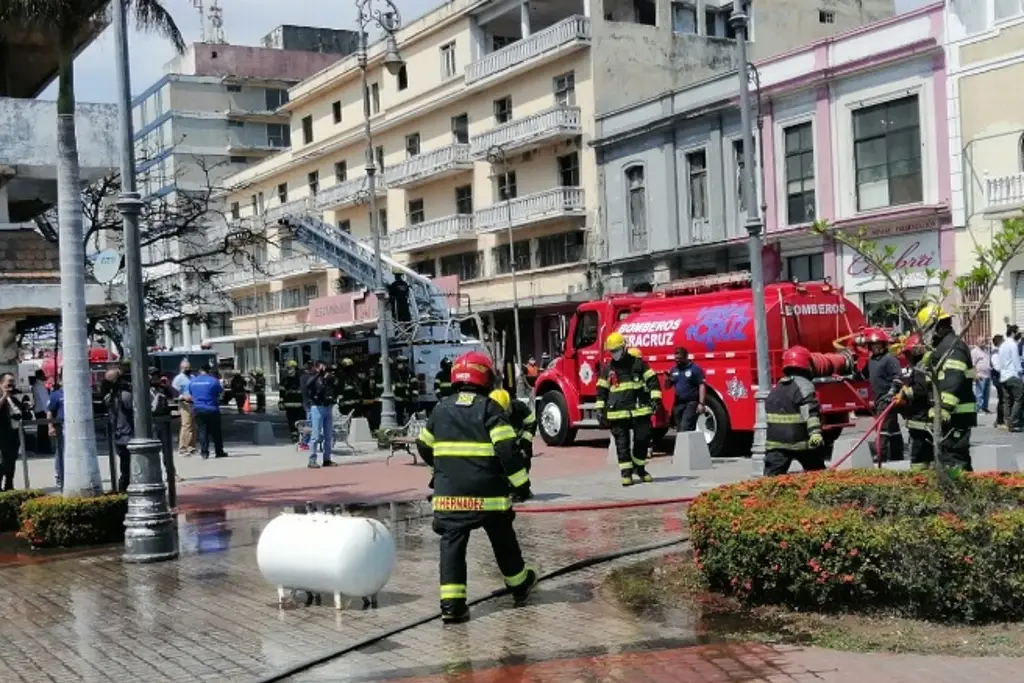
x=713 y=319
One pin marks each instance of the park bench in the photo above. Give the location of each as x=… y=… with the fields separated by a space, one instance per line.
x=342 y=427
x=404 y=437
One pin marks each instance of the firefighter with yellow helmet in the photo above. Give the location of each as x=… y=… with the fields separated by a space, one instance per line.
x=628 y=393
x=524 y=422
x=950 y=363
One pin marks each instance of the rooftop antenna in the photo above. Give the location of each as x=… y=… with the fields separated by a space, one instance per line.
x=198 y=4
x=217 y=21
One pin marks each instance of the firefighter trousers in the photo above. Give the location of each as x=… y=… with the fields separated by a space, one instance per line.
x=922 y=452
x=632 y=438
x=454 y=529
x=777 y=461
x=955 y=448
x=891 y=438
x=293 y=415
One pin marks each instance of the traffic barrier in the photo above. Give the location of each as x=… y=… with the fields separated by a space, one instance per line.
x=992 y=458
x=359 y=431
x=262 y=432
x=858 y=454
x=326 y=553
x=691 y=452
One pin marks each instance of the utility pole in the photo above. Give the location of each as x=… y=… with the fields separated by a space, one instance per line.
x=755 y=227
x=497 y=157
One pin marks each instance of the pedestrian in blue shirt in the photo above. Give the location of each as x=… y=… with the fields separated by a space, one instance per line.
x=687 y=382
x=205 y=390
x=55 y=411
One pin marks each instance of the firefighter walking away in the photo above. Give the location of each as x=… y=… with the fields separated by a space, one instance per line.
x=471 y=451
x=628 y=393
x=794 y=420
x=912 y=395
x=524 y=423
x=883 y=369
x=950 y=361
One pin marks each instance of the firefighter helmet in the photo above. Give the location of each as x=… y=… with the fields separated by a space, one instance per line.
x=636 y=353
x=347 y=362
x=796 y=357
x=473 y=368
x=913 y=344
x=876 y=335
x=614 y=341
x=293 y=364
x=501 y=397
x=930 y=315
x=446 y=363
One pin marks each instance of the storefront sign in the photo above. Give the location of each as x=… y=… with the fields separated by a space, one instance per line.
x=912 y=255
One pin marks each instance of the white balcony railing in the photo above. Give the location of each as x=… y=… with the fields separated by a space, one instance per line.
x=286 y=267
x=1004 y=193
x=561 y=201
x=530 y=130
x=432 y=233
x=300 y=206
x=349 y=192
x=575 y=29
x=433 y=163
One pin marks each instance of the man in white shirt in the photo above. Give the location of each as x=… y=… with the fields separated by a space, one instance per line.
x=1010 y=378
x=187 y=433
x=994 y=358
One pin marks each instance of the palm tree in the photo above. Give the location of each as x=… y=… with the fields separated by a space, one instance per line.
x=64 y=22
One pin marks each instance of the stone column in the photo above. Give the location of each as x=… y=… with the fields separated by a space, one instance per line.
x=524 y=19
x=168 y=336
x=186 y=333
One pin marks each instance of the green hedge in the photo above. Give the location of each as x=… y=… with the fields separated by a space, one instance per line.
x=58 y=522
x=10 y=506
x=868 y=540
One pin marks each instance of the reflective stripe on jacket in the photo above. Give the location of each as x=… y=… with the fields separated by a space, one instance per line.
x=442 y=384
x=792 y=414
x=955 y=379
x=626 y=388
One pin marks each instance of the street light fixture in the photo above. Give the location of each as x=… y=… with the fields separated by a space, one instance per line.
x=755 y=226
x=388 y=21
x=149 y=528
x=496 y=157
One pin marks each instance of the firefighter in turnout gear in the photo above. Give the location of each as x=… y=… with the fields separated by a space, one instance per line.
x=950 y=362
x=349 y=400
x=794 y=421
x=371 y=389
x=290 y=394
x=524 y=422
x=405 y=389
x=471 y=450
x=628 y=393
x=883 y=369
x=259 y=385
x=912 y=394
x=443 y=379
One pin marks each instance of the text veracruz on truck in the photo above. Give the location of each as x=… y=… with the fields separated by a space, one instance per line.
x=652 y=333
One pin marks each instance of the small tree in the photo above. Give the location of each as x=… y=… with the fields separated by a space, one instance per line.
x=992 y=260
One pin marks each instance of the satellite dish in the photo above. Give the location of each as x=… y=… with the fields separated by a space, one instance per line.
x=106 y=265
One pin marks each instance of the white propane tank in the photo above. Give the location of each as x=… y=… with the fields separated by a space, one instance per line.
x=324 y=553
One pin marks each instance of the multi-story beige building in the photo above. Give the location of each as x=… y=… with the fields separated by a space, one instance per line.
x=985 y=62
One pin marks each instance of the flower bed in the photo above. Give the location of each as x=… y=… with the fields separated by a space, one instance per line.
x=10 y=506
x=57 y=522
x=871 y=540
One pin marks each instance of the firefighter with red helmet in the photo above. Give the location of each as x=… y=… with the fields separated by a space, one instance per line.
x=912 y=394
x=794 y=421
x=472 y=452
x=628 y=393
x=883 y=369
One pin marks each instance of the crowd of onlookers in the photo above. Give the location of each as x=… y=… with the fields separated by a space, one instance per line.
x=997 y=365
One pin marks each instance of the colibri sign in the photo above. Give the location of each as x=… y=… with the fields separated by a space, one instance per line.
x=913 y=254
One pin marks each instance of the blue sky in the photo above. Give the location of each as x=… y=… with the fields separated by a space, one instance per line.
x=245 y=22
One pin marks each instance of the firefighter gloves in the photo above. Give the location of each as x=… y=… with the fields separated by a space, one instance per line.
x=816 y=440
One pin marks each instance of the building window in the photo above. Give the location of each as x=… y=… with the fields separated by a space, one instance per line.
x=565 y=89
x=806 y=268
x=416 y=213
x=464 y=199
x=340 y=171
x=402 y=78
x=501 y=42
x=336 y=110
x=313 y=180
x=1020 y=153
x=238 y=160
x=412 y=145
x=278 y=135
x=826 y=16
x=255 y=208
x=502 y=262
x=887 y=154
x=506 y=184
x=379 y=157
x=503 y=109
x=556 y=250
x=465 y=265
x=374 y=98
x=460 y=129
x=739 y=163
x=287 y=247
x=345 y=226
x=282 y=193
x=637 y=208
x=716 y=23
x=799 y=142
x=307 y=130
x=447 y=61
x=684 y=18
x=236 y=211
x=697 y=171
x=382 y=221
x=236 y=124
x=276 y=98
x=1004 y=9
x=569 y=170
x=427 y=267
x=233 y=88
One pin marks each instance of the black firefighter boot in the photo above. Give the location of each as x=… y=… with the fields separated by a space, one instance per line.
x=522 y=592
x=454 y=611
x=643 y=475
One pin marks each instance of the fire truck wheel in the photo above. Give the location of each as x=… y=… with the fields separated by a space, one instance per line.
x=715 y=425
x=554 y=420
